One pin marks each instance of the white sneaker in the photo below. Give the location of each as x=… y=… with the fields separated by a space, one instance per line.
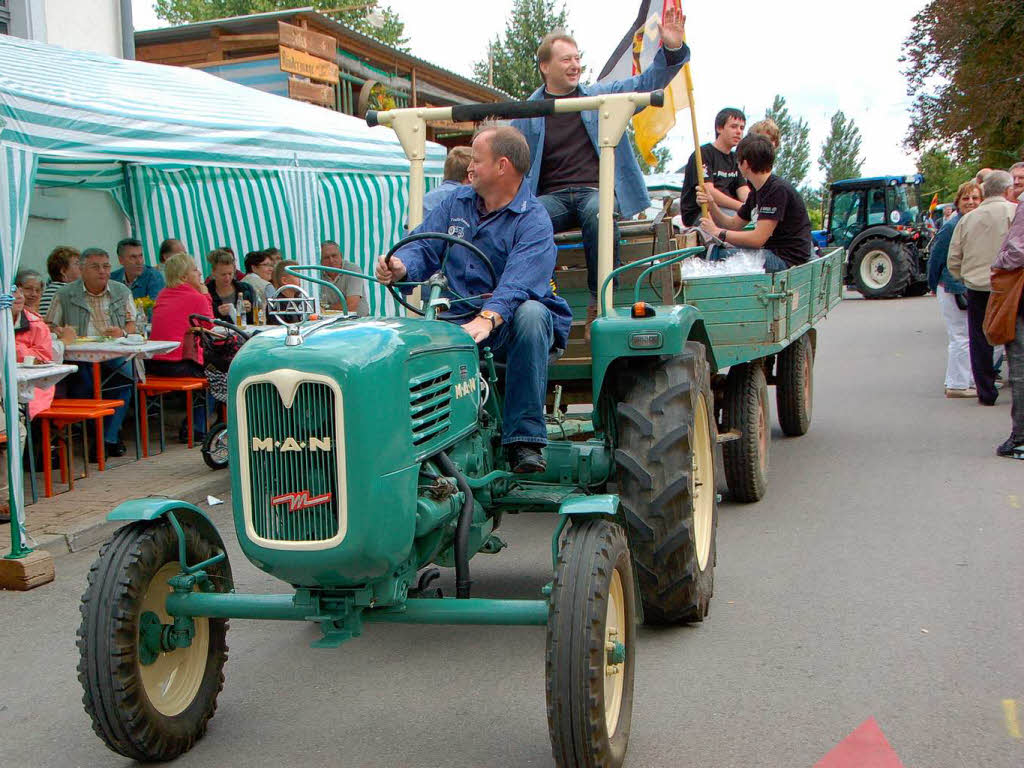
x=954 y=393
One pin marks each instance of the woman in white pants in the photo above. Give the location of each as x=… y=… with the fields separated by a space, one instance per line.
x=952 y=302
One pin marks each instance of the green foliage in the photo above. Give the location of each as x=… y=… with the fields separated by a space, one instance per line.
x=513 y=55
x=392 y=32
x=942 y=174
x=840 y=154
x=662 y=154
x=814 y=202
x=793 y=160
x=965 y=74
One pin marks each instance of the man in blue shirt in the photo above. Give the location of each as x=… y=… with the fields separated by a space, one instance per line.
x=522 y=320
x=141 y=279
x=456 y=173
x=564 y=171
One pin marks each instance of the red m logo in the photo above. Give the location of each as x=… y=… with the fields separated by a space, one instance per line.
x=300 y=500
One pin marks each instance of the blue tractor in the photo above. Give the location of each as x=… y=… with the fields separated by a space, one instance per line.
x=880 y=223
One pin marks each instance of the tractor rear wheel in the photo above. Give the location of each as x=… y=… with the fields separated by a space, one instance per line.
x=215 y=446
x=881 y=268
x=591 y=647
x=794 y=386
x=746 y=409
x=666 y=477
x=148 y=705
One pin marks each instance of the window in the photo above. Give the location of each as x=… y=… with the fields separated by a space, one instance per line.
x=847 y=216
x=5 y=18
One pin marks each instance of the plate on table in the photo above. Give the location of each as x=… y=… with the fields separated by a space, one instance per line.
x=87 y=339
x=37 y=365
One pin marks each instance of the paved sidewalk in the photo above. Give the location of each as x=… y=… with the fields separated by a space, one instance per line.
x=76 y=520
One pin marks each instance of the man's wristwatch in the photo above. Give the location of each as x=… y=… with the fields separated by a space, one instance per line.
x=721 y=235
x=491 y=315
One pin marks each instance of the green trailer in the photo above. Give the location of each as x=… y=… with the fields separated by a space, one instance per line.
x=359 y=535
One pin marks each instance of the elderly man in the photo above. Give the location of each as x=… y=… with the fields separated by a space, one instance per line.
x=1008 y=269
x=94 y=305
x=522 y=320
x=564 y=171
x=143 y=281
x=976 y=242
x=1017 y=173
x=354 y=288
x=456 y=174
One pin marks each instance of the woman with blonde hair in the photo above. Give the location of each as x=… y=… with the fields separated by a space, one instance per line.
x=185 y=294
x=952 y=299
x=769 y=129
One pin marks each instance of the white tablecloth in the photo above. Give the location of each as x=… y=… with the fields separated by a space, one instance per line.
x=42 y=376
x=101 y=351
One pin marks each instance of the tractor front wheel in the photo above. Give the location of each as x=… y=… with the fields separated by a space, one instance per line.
x=146 y=703
x=591 y=646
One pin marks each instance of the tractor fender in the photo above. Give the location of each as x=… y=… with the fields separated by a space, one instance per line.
x=612 y=338
x=877 y=231
x=152 y=509
x=597 y=505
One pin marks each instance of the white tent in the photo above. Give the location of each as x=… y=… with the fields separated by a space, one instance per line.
x=189 y=154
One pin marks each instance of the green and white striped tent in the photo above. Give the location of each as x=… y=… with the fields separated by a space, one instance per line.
x=187 y=154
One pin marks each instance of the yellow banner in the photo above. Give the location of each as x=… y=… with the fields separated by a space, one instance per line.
x=654 y=123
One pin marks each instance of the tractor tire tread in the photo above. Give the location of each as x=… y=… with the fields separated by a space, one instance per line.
x=746 y=393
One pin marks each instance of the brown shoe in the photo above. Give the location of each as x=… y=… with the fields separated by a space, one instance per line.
x=591 y=317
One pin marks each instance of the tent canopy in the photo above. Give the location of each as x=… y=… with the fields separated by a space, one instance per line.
x=73 y=104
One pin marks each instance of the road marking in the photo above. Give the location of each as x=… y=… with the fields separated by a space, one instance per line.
x=1010 y=713
x=1014 y=501
x=866 y=746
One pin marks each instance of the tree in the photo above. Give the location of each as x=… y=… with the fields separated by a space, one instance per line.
x=662 y=154
x=964 y=71
x=794 y=156
x=391 y=32
x=813 y=200
x=840 y=154
x=512 y=61
x=942 y=174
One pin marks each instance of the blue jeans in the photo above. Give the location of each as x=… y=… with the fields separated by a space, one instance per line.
x=80 y=385
x=523 y=345
x=578 y=207
x=772 y=263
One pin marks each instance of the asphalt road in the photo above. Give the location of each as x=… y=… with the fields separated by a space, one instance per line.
x=880 y=577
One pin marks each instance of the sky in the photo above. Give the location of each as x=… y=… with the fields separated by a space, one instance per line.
x=821 y=55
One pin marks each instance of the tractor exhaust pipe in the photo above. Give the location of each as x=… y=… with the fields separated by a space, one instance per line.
x=462 y=580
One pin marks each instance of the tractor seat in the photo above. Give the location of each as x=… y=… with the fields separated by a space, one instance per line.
x=626 y=229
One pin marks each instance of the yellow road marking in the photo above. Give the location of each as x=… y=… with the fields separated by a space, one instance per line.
x=1010 y=713
x=1014 y=501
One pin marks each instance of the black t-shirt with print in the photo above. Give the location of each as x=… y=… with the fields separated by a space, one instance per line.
x=779 y=201
x=569 y=158
x=720 y=168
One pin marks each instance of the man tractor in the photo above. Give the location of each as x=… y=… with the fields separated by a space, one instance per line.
x=357 y=533
x=880 y=223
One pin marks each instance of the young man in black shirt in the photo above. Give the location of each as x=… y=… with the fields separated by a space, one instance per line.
x=563 y=147
x=720 y=168
x=783 y=228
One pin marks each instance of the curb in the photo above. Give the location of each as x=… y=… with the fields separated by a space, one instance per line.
x=90 y=534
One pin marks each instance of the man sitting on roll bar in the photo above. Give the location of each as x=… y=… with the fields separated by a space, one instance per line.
x=783 y=229
x=564 y=172
x=522 y=320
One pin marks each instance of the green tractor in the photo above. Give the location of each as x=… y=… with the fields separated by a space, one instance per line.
x=357 y=533
x=880 y=223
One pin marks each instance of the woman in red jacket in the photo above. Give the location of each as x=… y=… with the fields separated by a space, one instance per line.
x=184 y=295
x=32 y=339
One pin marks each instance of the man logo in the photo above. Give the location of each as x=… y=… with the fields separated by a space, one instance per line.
x=270 y=445
x=300 y=500
x=464 y=388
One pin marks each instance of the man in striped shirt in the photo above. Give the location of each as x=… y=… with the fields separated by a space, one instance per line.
x=64 y=267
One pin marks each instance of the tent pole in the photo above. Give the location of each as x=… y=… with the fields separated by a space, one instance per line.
x=14 y=486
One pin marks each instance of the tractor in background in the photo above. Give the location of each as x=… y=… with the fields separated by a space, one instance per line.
x=880 y=223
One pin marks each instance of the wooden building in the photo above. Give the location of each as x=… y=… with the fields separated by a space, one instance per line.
x=359 y=73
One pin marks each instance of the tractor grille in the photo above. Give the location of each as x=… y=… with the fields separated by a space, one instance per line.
x=293 y=467
x=430 y=405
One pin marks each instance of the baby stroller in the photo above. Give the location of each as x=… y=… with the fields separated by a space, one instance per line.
x=219 y=349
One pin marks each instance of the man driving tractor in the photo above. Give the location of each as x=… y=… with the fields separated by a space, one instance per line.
x=520 y=318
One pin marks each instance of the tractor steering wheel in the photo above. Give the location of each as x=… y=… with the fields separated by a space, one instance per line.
x=450 y=240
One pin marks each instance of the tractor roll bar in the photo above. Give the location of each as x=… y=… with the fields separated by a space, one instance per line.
x=614 y=112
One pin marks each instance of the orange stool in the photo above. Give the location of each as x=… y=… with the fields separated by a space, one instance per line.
x=76 y=403
x=62 y=418
x=160 y=386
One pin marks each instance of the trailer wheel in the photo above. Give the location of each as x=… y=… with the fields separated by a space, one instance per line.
x=591 y=647
x=794 y=386
x=147 y=705
x=746 y=409
x=666 y=476
x=881 y=268
x=215 y=446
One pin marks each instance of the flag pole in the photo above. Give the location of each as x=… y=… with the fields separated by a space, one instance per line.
x=696 y=141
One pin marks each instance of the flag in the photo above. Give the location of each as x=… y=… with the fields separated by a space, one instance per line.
x=631 y=57
x=935 y=204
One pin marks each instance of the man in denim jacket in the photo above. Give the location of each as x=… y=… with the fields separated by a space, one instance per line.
x=563 y=147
